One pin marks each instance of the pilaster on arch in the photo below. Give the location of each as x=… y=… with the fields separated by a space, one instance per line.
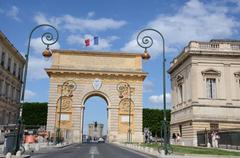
x=101 y=94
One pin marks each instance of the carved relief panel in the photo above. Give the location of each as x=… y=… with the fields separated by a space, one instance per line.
x=66 y=112
x=126 y=109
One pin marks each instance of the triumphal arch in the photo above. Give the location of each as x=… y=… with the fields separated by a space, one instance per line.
x=116 y=77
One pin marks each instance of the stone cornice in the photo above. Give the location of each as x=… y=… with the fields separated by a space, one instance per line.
x=96 y=53
x=203 y=120
x=205 y=106
x=11 y=47
x=212 y=48
x=51 y=71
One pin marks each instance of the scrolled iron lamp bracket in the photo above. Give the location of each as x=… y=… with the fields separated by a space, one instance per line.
x=47 y=39
x=146 y=42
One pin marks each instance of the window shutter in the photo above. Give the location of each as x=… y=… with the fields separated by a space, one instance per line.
x=208 y=90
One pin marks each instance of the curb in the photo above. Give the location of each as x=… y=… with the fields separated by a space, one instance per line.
x=13 y=156
x=144 y=150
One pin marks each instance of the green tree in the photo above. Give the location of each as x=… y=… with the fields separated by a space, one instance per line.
x=152 y=119
x=35 y=114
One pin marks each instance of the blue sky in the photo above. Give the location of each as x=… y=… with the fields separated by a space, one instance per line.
x=117 y=24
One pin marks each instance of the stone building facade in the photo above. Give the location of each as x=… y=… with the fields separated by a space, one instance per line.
x=11 y=70
x=205 y=81
x=96 y=74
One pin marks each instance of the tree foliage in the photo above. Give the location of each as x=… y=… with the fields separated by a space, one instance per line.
x=152 y=119
x=35 y=114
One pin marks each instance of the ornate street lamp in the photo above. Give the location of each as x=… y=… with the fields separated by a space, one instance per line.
x=47 y=39
x=67 y=89
x=125 y=88
x=146 y=42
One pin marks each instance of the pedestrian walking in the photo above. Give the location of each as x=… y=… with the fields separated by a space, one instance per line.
x=215 y=138
x=174 y=137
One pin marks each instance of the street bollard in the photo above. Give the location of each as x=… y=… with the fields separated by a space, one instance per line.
x=148 y=149
x=162 y=153
x=145 y=149
x=208 y=145
x=37 y=147
x=26 y=146
x=138 y=147
x=18 y=154
x=9 y=155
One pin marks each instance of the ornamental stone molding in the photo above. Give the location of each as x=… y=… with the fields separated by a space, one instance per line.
x=211 y=72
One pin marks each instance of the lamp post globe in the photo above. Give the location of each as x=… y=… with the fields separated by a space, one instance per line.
x=47 y=53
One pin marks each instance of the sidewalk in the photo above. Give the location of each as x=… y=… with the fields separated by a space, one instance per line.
x=30 y=148
x=151 y=151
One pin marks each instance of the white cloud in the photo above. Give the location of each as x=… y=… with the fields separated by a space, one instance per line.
x=73 y=24
x=104 y=43
x=38 y=47
x=41 y=19
x=155 y=99
x=13 y=13
x=29 y=94
x=148 y=86
x=194 y=21
x=90 y=14
x=36 y=68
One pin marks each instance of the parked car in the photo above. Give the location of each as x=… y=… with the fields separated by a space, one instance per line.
x=101 y=140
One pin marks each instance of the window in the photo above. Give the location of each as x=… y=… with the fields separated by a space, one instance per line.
x=9 y=64
x=19 y=73
x=14 y=69
x=3 y=117
x=211 y=88
x=180 y=81
x=3 y=59
x=18 y=96
x=180 y=130
x=12 y=93
x=6 y=90
x=180 y=89
x=1 y=87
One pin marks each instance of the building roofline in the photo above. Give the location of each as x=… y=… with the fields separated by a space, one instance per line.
x=106 y=53
x=11 y=46
x=217 y=47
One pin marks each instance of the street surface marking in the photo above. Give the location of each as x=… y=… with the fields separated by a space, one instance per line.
x=93 y=151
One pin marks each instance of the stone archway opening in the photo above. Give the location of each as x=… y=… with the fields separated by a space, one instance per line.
x=95 y=117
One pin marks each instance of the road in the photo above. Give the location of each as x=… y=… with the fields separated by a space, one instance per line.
x=89 y=151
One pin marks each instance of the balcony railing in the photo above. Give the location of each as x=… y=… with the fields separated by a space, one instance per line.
x=215 y=46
